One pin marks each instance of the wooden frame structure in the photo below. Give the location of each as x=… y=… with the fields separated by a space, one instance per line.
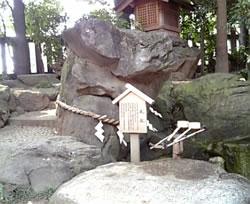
x=155 y=14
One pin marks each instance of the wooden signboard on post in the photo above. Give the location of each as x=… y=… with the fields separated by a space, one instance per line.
x=133 y=117
x=133 y=114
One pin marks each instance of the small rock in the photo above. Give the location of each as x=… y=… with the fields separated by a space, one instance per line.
x=218 y=161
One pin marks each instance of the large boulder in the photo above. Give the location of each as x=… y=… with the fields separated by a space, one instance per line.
x=35 y=157
x=163 y=181
x=4 y=104
x=101 y=59
x=221 y=102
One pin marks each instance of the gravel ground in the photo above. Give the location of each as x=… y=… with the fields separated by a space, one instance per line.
x=14 y=139
x=18 y=134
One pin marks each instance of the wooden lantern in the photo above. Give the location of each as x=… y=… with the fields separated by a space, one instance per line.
x=155 y=14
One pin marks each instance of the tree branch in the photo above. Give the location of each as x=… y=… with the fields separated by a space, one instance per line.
x=8 y=4
x=4 y=26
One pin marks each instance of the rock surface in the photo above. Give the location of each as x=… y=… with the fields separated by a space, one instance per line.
x=102 y=59
x=51 y=92
x=4 y=104
x=237 y=155
x=38 y=79
x=33 y=92
x=45 y=118
x=162 y=181
x=30 y=100
x=221 y=102
x=38 y=158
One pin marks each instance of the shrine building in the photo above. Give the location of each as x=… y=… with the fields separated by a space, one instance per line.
x=154 y=14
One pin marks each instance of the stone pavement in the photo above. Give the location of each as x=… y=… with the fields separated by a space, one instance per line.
x=45 y=118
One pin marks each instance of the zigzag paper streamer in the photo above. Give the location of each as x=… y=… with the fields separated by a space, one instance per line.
x=150 y=127
x=99 y=131
x=121 y=136
x=155 y=112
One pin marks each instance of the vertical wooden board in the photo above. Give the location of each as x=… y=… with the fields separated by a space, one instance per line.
x=133 y=114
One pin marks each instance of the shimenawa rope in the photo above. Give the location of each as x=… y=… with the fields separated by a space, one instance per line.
x=103 y=118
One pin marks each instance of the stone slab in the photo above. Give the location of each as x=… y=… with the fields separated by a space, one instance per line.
x=45 y=118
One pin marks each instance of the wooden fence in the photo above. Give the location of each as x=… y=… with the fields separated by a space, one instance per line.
x=6 y=57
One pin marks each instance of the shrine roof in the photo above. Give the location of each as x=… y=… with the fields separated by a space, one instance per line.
x=134 y=90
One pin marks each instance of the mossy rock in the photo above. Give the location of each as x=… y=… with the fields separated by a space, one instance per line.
x=44 y=84
x=221 y=102
x=65 y=73
x=237 y=157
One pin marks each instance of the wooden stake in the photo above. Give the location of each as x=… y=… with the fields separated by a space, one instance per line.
x=177 y=150
x=134 y=148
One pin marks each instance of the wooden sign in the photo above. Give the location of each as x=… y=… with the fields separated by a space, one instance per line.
x=133 y=117
x=133 y=114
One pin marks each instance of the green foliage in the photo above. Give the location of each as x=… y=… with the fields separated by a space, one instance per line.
x=240 y=12
x=239 y=58
x=244 y=73
x=198 y=24
x=109 y=16
x=43 y=21
x=23 y=194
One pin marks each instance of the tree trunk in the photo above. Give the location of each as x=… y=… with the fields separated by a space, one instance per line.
x=21 y=48
x=221 y=38
x=233 y=39
x=39 y=61
x=202 y=49
x=243 y=35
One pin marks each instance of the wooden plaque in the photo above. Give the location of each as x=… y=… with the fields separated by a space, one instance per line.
x=133 y=114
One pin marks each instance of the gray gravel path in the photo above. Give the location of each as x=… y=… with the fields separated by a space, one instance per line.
x=17 y=134
x=20 y=136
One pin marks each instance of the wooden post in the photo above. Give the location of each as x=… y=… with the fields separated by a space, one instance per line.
x=134 y=148
x=177 y=150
